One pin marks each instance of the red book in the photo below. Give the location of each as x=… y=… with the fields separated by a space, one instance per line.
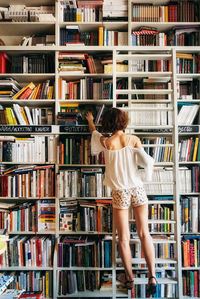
x=22 y=220
x=189 y=149
x=39 y=183
x=26 y=94
x=195 y=284
x=71 y=90
x=38 y=253
x=4 y=63
x=52 y=182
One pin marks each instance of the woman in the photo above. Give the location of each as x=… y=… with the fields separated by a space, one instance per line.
x=123 y=153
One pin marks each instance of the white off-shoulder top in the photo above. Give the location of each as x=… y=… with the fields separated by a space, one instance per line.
x=122 y=164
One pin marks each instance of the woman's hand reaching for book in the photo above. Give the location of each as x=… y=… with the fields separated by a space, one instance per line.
x=89 y=116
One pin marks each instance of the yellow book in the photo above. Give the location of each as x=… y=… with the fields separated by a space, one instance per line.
x=69 y=105
x=168 y=218
x=17 y=95
x=50 y=94
x=184 y=55
x=33 y=97
x=166 y=13
x=47 y=284
x=166 y=253
x=195 y=253
x=14 y=118
x=101 y=36
x=166 y=151
x=195 y=149
x=24 y=115
x=9 y=116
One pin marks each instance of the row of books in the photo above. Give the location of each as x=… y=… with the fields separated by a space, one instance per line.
x=179 y=11
x=189 y=150
x=36 y=149
x=19 y=115
x=70 y=282
x=159 y=153
x=29 y=217
x=188 y=89
x=184 y=36
x=162 y=250
x=84 y=253
x=148 y=38
x=88 y=216
x=189 y=177
x=34 y=281
x=188 y=180
x=33 y=63
x=189 y=207
x=190 y=249
x=83 y=89
x=177 y=36
x=149 y=65
x=86 y=182
x=22 y=13
x=79 y=63
x=28 y=252
x=163 y=212
x=152 y=115
x=30 y=181
x=80 y=11
x=191 y=283
x=78 y=151
x=34 y=92
x=71 y=35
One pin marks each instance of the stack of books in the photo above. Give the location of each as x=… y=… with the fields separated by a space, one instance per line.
x=8 y=87
x=115 y=10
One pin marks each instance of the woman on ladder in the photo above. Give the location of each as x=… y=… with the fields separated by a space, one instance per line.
x=123 y=153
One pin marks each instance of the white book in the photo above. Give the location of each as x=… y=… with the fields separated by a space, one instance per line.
x=192 y=114
x=194 y=218
x=61 y=185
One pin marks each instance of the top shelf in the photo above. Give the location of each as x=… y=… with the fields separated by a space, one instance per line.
x=27 y=2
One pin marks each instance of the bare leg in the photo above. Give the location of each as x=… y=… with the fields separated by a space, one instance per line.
x=141 y=218
x=121 y=218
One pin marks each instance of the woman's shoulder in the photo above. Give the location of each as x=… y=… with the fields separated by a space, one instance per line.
x=134 y=141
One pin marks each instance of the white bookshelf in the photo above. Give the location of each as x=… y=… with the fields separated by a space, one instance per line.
x=14 y=32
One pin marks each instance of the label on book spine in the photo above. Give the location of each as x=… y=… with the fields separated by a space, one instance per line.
x=26 y=129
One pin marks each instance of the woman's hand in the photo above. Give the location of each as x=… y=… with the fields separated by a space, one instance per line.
x=90 y=119
x=89 y=116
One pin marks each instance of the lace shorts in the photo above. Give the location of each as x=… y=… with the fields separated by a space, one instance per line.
x=122 y=199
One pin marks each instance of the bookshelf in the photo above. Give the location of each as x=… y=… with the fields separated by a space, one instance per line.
x=128 y=96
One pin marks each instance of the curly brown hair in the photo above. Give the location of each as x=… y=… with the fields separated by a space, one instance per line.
x=113 y=120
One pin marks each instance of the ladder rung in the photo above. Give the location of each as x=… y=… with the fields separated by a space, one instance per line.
x=158 y=145
x=143 y=74
x=142 y=261
x=145 y=109
x=143 y=91
x=160 y=280
x=159 y=221
x=144 y=56
x=155 y=241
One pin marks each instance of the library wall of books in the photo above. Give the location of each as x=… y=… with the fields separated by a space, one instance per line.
x=59 y=59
